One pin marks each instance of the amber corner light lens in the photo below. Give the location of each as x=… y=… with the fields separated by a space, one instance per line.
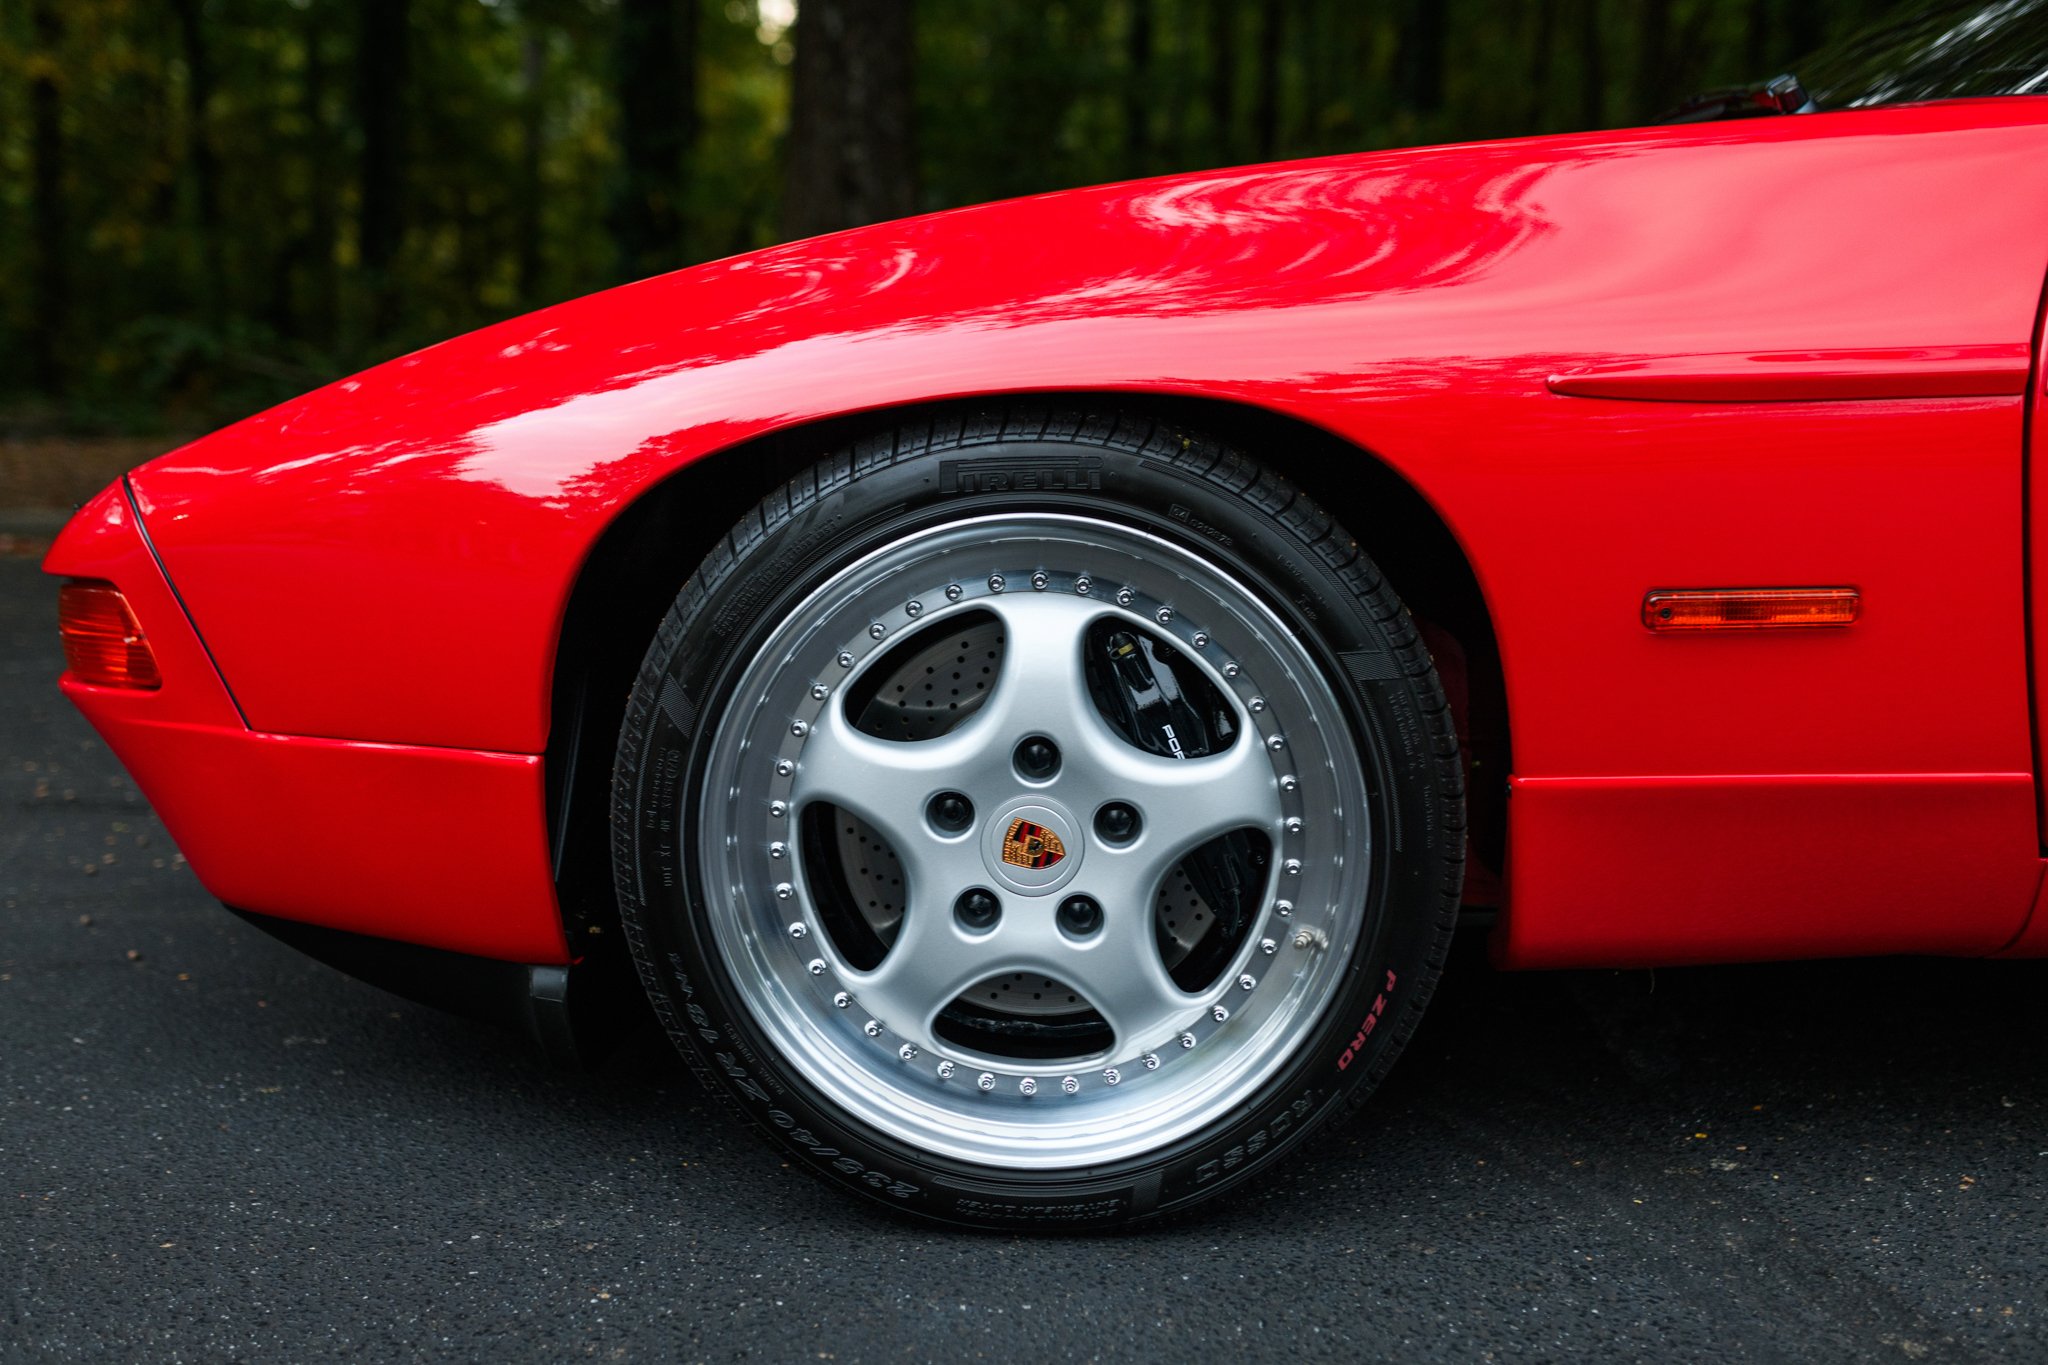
x=1750 y=608
x=103 y=643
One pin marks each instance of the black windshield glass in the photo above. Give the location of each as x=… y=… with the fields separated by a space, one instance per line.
x=1939 y=50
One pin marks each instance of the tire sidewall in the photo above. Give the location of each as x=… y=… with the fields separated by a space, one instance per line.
x=730 y=606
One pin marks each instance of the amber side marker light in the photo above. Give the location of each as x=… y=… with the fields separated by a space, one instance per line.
x=1750 y=608
x=103 y=642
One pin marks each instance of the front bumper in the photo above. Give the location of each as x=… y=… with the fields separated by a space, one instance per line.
x=446 y=848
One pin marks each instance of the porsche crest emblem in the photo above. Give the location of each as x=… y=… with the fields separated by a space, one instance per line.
x=1031 y=845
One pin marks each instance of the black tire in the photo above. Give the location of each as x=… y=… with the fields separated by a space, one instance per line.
x=1173 y=484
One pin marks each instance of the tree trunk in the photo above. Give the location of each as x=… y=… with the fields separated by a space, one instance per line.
x=381 y=79
x=1137 y=90
x=1223 y=32
x=1420 y=57
x=532 y=137
x=1266 y=100
x=1653 y=93
x=851 y=157
x=323 y=208
x=1592 y=65
x=655 y=68
x=205 y=165
x=48 y=227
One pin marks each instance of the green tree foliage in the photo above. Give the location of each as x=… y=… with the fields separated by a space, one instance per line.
x=207 y=205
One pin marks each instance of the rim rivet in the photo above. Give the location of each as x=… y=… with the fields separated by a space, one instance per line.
x=872 y=1028
x=1151 y=1061
x=797 y=929
x=784 y=768
x=1294 y=825
x=1292 y=867
x=1027 y=1086
x=1112 y=1076
x=1268 y=946
x=1124 y=597
x=907 y=1053
x=843 y=1000
x=1201 y=639
x=985 y=1081
x=1164 y=614
x=995 y=582
x=778 y=850
x=783 y=891
x=1256 y=705
x=1247 y=981
x=1069 y=1084
x=877 y=630
x=817 y=966
x=1187 y=1040
x=1230 y=670
x=1276 y=743
x=1219 y=1014
x=1289 y=782
x=945 y=1070
x=778 y=809
x=913 y=608
x=819 y=691
x=799 y=729
x=1039 y=579
x=846 y=658
x=952 y=595
x=1084 y=585
x=1283 y=908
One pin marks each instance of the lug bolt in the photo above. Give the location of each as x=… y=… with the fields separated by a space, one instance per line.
x=1080 y=916
x=1124 y=597
x=877 y=630
x=1038 y=758
x=985 y=1081
x=950 y=812
x=1027 y=1086
x=1084 y=585
x=1070 y=1084
x=1112 y=1077
x=977 y=908
x=945 y=1070
x=1040 y=579
x=846 y=658
x=817 y=966
x=952 y=592
x=995 y=582
x=913 y=608
x=1165 y=614
x=1117 y=823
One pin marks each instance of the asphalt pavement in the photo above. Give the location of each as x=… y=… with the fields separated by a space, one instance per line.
x=213 y=1149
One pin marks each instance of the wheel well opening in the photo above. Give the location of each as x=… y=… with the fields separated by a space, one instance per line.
x=633 y=573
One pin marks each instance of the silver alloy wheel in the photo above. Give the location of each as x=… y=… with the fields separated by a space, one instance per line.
x=868 y=1037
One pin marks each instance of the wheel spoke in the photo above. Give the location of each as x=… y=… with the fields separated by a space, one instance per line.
x=932 y=961
x=1184 y=804
x=884 y=782
x=1121 y=974
x=1042 y=685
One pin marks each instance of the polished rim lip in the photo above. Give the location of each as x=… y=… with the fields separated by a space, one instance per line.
x=1033 y=1126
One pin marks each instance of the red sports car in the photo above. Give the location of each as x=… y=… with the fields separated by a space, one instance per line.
x=1031 y=690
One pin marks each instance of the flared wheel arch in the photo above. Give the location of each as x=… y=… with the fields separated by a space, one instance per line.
x=633 y=571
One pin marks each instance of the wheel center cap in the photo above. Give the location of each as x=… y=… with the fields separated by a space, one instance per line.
x=1031 y=845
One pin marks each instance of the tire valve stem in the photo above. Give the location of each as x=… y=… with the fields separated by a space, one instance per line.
x=1310 y=938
